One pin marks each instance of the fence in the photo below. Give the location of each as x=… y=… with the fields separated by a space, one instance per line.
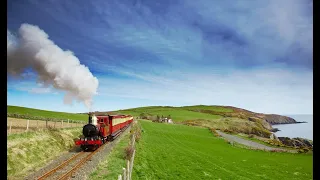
x=127 y=172
x=22 y=125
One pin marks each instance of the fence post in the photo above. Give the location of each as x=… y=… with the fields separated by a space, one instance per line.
x=124 y=174
x=131 y=163
x=128 y=170
x=27 y=125
x=68 y=123
x=119 y=177
x=10 y=127
x=37 y=124
x=46 y=123
x=61 y=123
x=133 y=140
x=54 y=125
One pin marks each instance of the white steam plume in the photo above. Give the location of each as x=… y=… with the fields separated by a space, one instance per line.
x=54 y=66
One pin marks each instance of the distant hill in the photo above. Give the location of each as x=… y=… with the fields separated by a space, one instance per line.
x=218 y=117
x=204 y=112
x=30 y=113
x=226 y=118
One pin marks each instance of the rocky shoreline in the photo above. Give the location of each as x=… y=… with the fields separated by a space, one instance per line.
x=297 y=142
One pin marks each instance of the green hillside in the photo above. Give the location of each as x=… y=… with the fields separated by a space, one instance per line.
x=30 y=113
x=179 y=113
x=167 y=151
x=231 y=119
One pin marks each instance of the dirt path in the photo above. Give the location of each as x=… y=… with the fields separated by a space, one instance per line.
x=250 y=143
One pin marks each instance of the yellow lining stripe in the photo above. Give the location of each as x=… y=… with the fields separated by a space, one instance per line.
x=120 y=120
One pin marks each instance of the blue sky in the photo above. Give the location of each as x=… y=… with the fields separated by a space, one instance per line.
x=257 y=55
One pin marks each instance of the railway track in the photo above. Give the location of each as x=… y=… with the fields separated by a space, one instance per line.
x=65 y=170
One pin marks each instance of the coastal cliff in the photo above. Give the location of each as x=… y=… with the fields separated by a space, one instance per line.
x=272 y=119
x=278 y=119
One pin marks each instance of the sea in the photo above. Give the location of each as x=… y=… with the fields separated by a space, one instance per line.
x=303 y=130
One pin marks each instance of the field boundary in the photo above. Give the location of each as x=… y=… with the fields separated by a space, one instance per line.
x=17 y=125
x=127 y=172
x=32 y=117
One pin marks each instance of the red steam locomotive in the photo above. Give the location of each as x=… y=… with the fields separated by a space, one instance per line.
x=101 y=129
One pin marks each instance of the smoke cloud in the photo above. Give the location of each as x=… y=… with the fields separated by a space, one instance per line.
x=32 y=48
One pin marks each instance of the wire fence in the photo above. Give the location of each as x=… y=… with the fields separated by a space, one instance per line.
x=23 y=125
x=127 y=172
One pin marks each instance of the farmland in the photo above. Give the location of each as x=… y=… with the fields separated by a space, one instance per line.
x=15 y=125
x=30 y=113
x=177 y=113
x=217 y=117
x=168 y=151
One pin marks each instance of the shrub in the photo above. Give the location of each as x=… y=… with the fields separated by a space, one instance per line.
x=128 y=152
x=251 y=136
x=215 y=133
x=261 y=132
x=227 y=131
x=303 y=150
x=136 y=130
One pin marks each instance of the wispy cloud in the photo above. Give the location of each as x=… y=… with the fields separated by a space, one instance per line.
x=40 y=90
x=31 y=87
x=266 y=90
x=256 y=55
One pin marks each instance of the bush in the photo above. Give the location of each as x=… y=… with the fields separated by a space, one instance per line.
x=261 y=132
x=251 y=136
x=228 y=131
x=215 y=133
x=274 y=142
x=128 y=152
x=303 y=150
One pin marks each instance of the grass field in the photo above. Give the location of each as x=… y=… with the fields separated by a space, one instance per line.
x=112 y=166
x=20 y=125
x=177 y=113
x=168 y=151
x=27 y=152
x=45 y=114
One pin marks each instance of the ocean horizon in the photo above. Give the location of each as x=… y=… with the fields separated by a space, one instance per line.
x=302 y=130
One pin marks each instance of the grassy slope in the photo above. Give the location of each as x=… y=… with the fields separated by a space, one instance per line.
x=107 y=170
x=205 y=116
x=178 y=113
x=46 y=114
x=180 y=152
x=28 y=151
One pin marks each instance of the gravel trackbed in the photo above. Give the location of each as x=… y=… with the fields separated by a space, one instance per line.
x=83 y=172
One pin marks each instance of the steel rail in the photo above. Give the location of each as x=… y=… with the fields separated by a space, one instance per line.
x=47 y=174
x=79 y=164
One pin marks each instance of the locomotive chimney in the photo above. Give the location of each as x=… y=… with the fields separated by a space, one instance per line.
x=90 y=118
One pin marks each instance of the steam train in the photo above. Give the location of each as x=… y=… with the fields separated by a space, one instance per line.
x=101 y=129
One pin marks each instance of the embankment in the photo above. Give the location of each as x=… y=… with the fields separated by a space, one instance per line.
x=27 y=152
